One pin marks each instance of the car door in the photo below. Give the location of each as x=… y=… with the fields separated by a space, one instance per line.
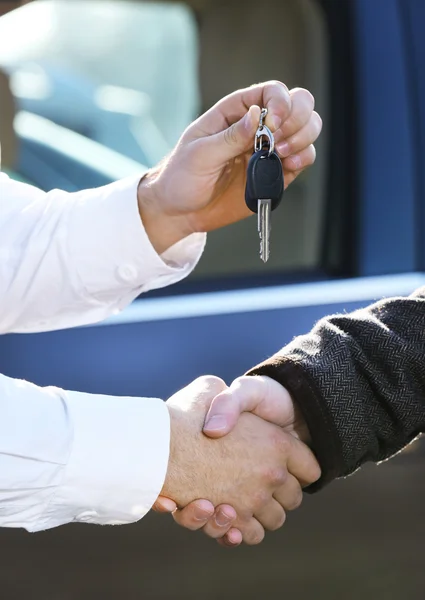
x=349 y=232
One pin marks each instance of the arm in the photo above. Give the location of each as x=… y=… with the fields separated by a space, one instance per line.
x=353 y=389
x=359 y=381
x=72 y=457
x=74 y=259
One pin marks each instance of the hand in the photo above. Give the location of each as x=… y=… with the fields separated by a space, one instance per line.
x=260 y=395
x=269 y=400
x=244 y=469
x=200 y=185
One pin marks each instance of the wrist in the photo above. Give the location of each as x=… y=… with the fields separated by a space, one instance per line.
x=300 y=426
x=178 y=483
x=163 y=230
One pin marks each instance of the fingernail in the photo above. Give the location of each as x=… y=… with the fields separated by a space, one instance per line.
x=202 y=515
x=233 y=538
x=215 y=423
x=296 y=161
x=166 y=504
x=222 y=519
x=283 y=149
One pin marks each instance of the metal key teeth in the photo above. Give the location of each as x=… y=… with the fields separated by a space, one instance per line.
x=264 y=228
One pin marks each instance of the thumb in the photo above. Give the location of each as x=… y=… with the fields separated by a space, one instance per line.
x=230 y=143
x=260 y=395
x=244 y=395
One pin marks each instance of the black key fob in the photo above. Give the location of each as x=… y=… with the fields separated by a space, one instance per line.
x=264 y=180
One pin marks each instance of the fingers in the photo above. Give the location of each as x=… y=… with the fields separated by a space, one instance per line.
x=273 y=95
x=232 y=539
x=221 y=522
x=302 y=138
x=298 y=162
x=261 y=395
x=296 y=136
x=199 y=392
x=252 y=532
x=302 y=463
x=272 y=516
x=232 y=141
x=228 y=128
x=290 y=495
x=164 y=505
x=302 y=107
x=195 y=515
x=216 y=524
x=278 y=101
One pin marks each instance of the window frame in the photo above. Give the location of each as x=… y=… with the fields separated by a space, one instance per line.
x=340 y=207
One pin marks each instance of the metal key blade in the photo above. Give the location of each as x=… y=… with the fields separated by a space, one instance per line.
x=264 y=227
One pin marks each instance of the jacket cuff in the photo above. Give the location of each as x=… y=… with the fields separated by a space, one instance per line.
x=325 y=443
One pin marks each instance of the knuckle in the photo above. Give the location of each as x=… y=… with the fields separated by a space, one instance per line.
x=276 y=82
x=241 y=381
x=247 y=385
x=281 y=442
x=260 y=499
x=244 y=519
x=276 y=476
x=303 y=96
x=214 y=384
x=230 y=135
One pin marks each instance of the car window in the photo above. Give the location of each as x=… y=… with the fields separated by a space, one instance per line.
x=132 y=75
x=121 y=73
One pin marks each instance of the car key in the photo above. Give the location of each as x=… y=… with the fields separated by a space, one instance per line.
x=264 y=184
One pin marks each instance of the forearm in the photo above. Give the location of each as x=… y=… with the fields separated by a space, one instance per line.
x=359 y=381
x=68 y=457
x=74 y=259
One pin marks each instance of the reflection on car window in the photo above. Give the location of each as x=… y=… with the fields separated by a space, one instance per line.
x=121 y=73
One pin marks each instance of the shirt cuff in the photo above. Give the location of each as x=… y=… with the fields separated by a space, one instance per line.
x=118 y=461
x=112 y=250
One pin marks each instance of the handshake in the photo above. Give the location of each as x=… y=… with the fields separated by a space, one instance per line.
x=245 y=479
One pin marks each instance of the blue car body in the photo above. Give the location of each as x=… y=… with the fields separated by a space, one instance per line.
x=364 y=535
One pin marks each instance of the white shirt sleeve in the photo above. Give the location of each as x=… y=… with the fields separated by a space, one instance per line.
x=71 y=457
x=74 y=259
x=67 y=260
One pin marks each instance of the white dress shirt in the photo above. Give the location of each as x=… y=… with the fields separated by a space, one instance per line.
x=68 y=260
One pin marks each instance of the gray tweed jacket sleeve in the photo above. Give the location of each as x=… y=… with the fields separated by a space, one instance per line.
x=359 y=380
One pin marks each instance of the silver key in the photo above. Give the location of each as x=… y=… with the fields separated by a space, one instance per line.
x=264 y=187
x=264 y=228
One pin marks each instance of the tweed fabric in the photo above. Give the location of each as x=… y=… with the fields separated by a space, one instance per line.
x=359 y=380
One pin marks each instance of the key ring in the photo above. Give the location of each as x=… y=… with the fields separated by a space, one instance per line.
x=262 y=131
